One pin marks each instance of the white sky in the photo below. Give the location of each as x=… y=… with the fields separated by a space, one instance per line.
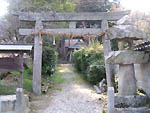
x=136 y=5
x=140 y=5
x=3 y=7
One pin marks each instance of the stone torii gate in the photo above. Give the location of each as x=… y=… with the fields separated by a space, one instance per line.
x=72 y=18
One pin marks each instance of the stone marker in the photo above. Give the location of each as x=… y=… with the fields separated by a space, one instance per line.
x=98 y=91
x=111 y=101
x=127 y=81
x=20 y=107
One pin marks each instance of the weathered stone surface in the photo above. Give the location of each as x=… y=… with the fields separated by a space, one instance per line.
x=127 y=57
x=20 y=101
x=103 y=85
x=130 y=101
x=37 y=65
x=121 y=32
x=54 y=17
x=37 y=60
x=111 y=101
x=8 y=103
x=127 y=81
x=142 y=74
x=133 y=110
x=72 y=25
x=98 y=91
x=126 y=20
x=107 y=48
x=81 y=31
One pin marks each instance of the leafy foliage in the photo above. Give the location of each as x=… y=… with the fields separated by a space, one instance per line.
x=90 y=61
x=52 y=5
x=49 y=59
x=94 y=6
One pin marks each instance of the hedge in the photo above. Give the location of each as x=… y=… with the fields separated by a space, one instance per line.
x=90 y=62
x=49 y=59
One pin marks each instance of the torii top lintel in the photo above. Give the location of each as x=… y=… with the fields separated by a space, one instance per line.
x=56 y=17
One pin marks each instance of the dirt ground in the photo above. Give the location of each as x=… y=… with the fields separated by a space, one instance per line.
x=72 y=96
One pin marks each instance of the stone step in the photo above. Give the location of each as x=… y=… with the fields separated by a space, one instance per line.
x=133 y=101
x=132 y=110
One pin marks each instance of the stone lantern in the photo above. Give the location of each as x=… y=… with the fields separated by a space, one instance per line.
x=125 y=32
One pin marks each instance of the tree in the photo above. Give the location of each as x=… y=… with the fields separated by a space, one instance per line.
x=93 y=6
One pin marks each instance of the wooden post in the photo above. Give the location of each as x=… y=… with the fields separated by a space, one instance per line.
x=107 y=48
x=37 y=59
x=21 y=72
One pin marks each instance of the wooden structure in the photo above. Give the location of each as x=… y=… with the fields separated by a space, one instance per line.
x=12 y=63
x=72 y=18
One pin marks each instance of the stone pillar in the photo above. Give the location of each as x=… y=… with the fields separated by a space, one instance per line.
x=127 y=81
x=37 y=64
x=72 y=25
x=20 y=107
x=107 y=48
x=111 y=100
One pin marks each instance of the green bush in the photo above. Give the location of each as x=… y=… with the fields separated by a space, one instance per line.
x=49 y=59
x=90 y=62
x=96 y=72
x=27 y=78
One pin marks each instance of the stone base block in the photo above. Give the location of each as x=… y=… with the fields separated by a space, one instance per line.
x=131 y=101
x=127 y=81
x=8 y=102
x=133 y=110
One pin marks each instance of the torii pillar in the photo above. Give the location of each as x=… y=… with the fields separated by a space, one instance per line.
x=107 y=48
x=37 y=64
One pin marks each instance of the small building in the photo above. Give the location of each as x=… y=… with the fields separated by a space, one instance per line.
x=66 y=47
x=12 y=58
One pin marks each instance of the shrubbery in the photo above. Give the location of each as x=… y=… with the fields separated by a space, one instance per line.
x=90 y=61
x=49 y=59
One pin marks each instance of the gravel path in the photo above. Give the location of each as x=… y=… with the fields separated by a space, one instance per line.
x=76 y=96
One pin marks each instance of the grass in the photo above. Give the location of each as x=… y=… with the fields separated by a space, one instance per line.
x=54 y=80
x=59 y=89
x=27 y=78
x=7 y=89
x=103 y=111
x=57 y=78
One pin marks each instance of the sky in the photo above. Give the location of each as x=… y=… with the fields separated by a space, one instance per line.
x=3 y=7
x=137 y=5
